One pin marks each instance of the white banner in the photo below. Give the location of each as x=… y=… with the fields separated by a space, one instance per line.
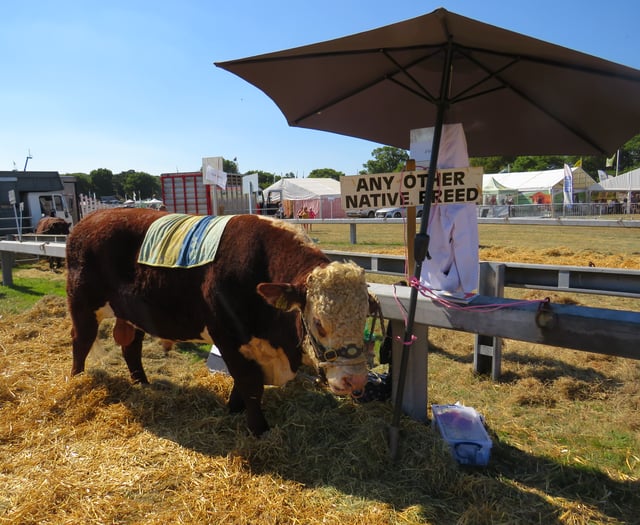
x=568 y=185
x=212 y=172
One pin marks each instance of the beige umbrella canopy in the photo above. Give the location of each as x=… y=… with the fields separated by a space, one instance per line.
x=515 y=95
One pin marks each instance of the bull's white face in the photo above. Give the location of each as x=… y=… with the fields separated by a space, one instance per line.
x=337 y=305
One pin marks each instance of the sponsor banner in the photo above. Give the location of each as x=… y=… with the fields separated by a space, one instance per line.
x=568 y=185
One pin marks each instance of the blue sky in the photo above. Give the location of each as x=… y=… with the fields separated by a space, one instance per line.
x=131 y=84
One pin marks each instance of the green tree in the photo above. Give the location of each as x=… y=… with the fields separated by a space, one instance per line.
x=102 y=182
x=325 y=173
x=118 y=183
x=83 y=183
x=630 y=155
x=145 y=185
x=386 y=159
x=493 y=164
x=265 y=178
x=230 y=166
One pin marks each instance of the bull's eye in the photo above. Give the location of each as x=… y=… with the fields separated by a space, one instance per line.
x=321 y=331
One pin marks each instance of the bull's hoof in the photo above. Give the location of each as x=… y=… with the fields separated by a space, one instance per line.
x=260 y=430
x=161 y=384
x=139 y=378
x=235 y=403
x=235 y=406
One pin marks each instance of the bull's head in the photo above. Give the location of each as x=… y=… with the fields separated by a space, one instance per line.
x=334 y=303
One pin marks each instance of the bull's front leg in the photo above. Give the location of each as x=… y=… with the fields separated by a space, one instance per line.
x=247 y=394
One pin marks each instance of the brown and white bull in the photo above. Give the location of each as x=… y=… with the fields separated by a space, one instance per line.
x=53 y=226
x=268 y=290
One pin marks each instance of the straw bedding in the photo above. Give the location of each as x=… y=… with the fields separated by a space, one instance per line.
x=96 y=449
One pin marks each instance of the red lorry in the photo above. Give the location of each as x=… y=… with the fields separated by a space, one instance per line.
x=187 y=193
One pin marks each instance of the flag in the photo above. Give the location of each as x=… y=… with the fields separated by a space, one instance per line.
x=568 y=185
x=602 y=175
x=609 y=163
x=578 y=163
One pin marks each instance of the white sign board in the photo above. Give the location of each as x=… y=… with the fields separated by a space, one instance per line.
x=250 y=183
x=421 y=143
x=408 y=188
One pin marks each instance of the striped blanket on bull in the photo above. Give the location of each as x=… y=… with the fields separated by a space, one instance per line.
x=182 y=241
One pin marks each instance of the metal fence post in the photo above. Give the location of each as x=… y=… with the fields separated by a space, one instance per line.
x=352 y=233
x=7 y=259
x=487 y=353
x=415 y=397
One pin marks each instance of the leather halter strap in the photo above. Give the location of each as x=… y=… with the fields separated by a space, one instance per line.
x=329 y=355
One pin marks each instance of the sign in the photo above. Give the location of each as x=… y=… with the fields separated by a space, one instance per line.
x=12 y=197
x=408 y=188
x=250 y=183
x=212 y=172
x=421 y=143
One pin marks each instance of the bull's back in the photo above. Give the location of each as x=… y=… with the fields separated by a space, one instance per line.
x=102 y=250
x=109 y=234
x=52 y=226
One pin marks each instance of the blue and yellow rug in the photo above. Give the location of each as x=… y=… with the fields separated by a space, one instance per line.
x=182 y=241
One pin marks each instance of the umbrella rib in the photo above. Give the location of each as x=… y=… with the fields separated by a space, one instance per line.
x=423 y=93
x=426 y=96
x=458 y=98
x=337 y=100
x=521 y=94
x=490 y=74
x=260 y=59
x=549 y=62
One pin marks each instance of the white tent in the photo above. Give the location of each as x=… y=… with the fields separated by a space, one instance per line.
x=529 y=183
x=494 y=192
x=321 y=195
x=626 y=183
x=629 y=181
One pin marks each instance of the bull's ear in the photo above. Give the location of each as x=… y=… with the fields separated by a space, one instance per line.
x=283 y=296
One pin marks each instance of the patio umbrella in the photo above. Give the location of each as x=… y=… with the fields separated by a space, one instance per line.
x=514 y=95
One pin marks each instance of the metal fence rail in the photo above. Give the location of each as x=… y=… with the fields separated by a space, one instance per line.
x=575 y=279
x=579 y=209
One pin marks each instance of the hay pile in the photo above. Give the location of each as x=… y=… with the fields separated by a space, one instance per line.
x=96 y=449
x=561 y=256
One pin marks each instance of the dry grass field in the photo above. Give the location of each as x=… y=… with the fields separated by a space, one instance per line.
x=95 y=449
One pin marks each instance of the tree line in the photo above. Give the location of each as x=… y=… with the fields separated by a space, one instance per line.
x=387 y=159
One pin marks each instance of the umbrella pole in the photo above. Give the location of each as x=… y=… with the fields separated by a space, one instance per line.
x=421 y=250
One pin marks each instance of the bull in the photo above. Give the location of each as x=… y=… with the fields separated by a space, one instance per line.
x=53 y=226
x=270 y=301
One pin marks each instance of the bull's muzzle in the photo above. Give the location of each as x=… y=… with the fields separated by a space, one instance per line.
x=346 y=378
